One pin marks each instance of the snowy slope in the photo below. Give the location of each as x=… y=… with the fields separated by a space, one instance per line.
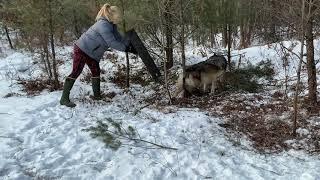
x=39 y=139
x=274 y=52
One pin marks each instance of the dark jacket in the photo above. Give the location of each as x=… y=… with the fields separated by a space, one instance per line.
x=99 y=37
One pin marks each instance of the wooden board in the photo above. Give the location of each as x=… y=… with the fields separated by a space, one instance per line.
x=144 y=54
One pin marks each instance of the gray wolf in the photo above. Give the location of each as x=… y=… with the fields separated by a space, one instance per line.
x=199 y=77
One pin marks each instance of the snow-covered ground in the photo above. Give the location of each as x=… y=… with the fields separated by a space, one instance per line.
x=39 y=139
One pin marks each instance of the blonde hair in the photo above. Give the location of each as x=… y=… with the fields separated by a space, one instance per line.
x=112 y=13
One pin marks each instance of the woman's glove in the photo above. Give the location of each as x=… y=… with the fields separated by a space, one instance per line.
x=131 y=49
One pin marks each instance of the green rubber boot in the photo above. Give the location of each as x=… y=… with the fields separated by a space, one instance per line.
x=68 y=84
x=96 y=89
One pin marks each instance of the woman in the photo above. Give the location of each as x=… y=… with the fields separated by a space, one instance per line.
x=90 y=47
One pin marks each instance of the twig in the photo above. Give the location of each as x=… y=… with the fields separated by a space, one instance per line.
x=140 y=108
x=265 y=169
x=14 y=138
x=6 y=113
x=158 y=145
x=164 y=165
x=291 y=51
x=141 y=140
x=7 y=137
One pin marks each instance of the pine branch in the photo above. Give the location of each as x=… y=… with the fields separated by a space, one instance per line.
x=112 y=137
x=141 y=140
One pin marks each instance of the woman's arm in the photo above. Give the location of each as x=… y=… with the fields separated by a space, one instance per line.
x=119 y=36
x=113 y=38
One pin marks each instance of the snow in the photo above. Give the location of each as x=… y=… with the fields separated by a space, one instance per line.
x=39 y=139
x=274 y=53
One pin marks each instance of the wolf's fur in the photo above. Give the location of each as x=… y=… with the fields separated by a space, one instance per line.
x=200 y=76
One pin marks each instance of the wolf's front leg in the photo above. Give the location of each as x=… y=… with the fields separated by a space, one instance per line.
x=179 y=87
x=213 y=87
x=204 y=87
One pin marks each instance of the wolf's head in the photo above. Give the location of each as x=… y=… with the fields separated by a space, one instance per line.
x=218 y=60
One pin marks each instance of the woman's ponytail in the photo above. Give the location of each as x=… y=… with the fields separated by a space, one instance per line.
x=111 y=13
x=104 y=12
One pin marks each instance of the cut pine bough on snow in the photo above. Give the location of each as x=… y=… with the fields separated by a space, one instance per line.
x=144 y=54
x=113 y=133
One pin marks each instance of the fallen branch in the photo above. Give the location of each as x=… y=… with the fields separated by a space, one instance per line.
x=112 y=138
x=6 y=113
x=264 y=169
x=141 y=140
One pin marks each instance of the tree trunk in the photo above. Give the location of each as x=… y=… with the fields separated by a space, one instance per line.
x=162 y=28
x=127 y=55
x=296 y=99
x=47 y=59
x=193 y=35
x=311 y=67
x=8 y=36
x=229 y=45
x=249 y=35
x=75 y=23
x=54 y=61
x=182 y=42
x=212 y=37
x=225 y=36
x=273 y=37
x=168 y=33
x=245 y=35
x=242 y=37
x=43 y=58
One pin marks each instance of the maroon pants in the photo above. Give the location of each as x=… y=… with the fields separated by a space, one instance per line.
x=79 y=60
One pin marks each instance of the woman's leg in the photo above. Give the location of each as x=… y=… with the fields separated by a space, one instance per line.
x=78 y=65
x=79 y=60
x=94 y=67
x=95 y=71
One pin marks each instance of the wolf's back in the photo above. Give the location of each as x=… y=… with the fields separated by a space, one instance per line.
x=217 y=62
